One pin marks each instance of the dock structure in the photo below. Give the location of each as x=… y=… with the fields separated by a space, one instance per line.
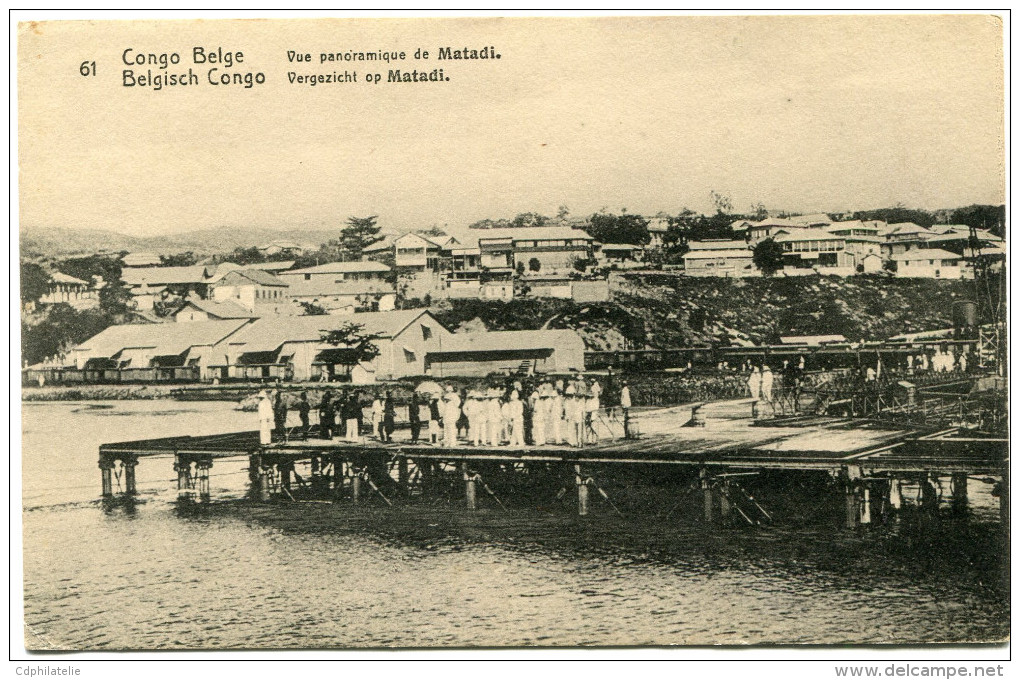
x=719 y=442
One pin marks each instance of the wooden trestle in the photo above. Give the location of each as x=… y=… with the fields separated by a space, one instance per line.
x=870 y=460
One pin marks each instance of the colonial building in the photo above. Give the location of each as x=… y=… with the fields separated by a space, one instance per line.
x=197 y=309
x=293 y=349
x=511 y=352
x=931 y=263
x=71 y=291
x=730 y=259
x=257 y=291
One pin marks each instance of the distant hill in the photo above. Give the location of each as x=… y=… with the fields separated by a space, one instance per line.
x=63 y=241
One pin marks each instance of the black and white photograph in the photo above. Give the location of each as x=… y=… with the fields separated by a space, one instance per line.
x=509 y=333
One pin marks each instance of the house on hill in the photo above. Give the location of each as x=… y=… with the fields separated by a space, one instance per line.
x=257 y=291
x=71 y=291
x=140 y=260
x=285 y=248
x=197 y=309
x=932 y=263
x=292 y=348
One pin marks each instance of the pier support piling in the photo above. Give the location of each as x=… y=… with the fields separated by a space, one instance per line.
x=202 y=468
x=356 y=486
x=708 y=495
x=582 y=492
x=264 y=484
x=130 y=488
x=183 y=468
x=959 y=493
x=106 y=469
x=725 y=508
x=470 y=489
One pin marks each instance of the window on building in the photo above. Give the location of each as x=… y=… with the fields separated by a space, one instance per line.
x=308 y=277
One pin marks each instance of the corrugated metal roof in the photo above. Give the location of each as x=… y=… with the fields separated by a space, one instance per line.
x=164 y=339
x=811 y=339
x=718 y=244
x=269 y=333
x=715 y=254
x=339 y=268
x=302 y=288
x=59 y=277
x=253 y=275
x=137 y=276
x=512 y=340
x=926 y=254
x=226 y=309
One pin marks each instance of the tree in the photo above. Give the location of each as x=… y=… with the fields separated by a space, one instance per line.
x=360 y=233
x=609 y=228
x=759 y=212
x=722 y=202
x=562 y=212
x=239 y=255
x=534 y=264
x=520 y=268
x=312 y=309
x=768 y=256
x=35 y=282
x=529 y=219
x=185 y=259
x=434 y=231
x=360 y=346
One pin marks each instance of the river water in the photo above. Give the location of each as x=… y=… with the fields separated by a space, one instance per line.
x=230 y=575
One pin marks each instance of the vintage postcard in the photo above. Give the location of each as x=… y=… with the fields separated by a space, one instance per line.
x=513 y=332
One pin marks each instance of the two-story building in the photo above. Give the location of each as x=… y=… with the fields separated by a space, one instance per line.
x=931 y=263
x=257 y=291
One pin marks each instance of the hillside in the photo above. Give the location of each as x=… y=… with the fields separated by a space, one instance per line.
x=658 y=311
x=62 y=241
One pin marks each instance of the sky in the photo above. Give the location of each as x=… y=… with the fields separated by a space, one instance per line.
x=807 y=113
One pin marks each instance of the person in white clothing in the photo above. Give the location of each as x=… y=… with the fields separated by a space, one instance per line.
x=450 y=416
x=754 y=383
x=766 y=384
x=265 y=413
x=625 y=407
x=540 y=414
x=515 y=411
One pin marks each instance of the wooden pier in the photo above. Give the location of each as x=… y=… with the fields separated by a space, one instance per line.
x=719 y=442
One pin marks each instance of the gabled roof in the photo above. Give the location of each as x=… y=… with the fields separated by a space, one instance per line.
x=811 y=220
x=908 y=228
x=809 y=235
x=852 y=224
x=58 y=277
x=136 y=276
x=495 y=341
x=142 y=258
x=360 y=266
x=777 y=222
x=269 y=333
x=926 y=254
x=718 y=244
x=324 y=287
x=383 y=244
x=164 y=339
x=248 y=276
x=226 y=309
x=734 y=253
x=528 y=234
x=411 y=235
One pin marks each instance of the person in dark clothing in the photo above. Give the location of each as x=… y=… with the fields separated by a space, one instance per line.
x=303 y=408
x=414 y=417
x=326 y=415
x=280 y=413
x=434 y=420
x=389 y=417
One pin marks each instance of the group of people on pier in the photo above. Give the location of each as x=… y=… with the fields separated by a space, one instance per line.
x=526 y=412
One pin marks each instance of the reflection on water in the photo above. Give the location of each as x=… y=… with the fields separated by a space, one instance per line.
x=148 y=574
